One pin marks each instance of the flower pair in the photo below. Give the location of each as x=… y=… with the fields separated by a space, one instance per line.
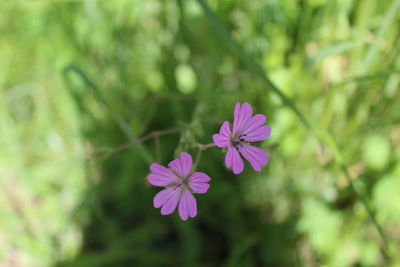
x=181 y=181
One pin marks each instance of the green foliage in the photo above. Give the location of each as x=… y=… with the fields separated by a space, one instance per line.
x=79 y=78
x=376 y=152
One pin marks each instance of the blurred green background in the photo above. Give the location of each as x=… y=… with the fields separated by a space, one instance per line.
x=78 y=78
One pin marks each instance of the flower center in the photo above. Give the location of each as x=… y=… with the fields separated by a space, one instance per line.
x=238 y=141
x=183 y=182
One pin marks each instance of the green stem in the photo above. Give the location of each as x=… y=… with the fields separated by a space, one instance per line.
x=197 y=160
x=201 y=148
x=155 y=134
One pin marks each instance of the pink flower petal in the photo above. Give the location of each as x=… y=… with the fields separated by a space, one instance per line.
x=187 y=162
x=255 y=122
x=225 y=129
x=236 y=115
x=255 y=155
x=198 y=182
x=168 y=199
x=258 y=134
x=183 y=165
x=161 y=176
x=187 y=205
x=164 y=195
x=233 y=160
x=223 y=138
x=242 y=115
x=228 y=157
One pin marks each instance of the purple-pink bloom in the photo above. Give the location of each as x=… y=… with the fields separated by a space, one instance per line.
x=180 y=185
x=246 y=129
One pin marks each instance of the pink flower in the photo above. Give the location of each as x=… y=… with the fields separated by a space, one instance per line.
x=246 y=129
x=180 y=183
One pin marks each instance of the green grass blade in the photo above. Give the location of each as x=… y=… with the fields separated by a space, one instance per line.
x=390 y=17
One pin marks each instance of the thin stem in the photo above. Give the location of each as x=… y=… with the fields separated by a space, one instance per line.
x=197 y=160
x=204 y=146
x=154 y=134
x=201 y=148
x=145 y=138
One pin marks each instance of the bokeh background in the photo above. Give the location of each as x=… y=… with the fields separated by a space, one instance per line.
x=79 y=78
